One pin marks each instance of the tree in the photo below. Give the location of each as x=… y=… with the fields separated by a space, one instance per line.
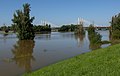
x=80 y=29
x=67 y=28
x=5 y=28
x=115 y=27
x=23 y=23
x=91 y=29
x=40 y=28
x=94 y=37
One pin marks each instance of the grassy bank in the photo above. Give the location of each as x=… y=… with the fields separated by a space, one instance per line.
x=102 y=62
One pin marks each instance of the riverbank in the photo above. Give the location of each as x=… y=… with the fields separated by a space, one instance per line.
x=101 y=62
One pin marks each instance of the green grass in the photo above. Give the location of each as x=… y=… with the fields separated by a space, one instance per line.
x=101 y=62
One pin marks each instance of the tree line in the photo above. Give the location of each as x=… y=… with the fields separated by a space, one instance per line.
x=67 y=28
x=36 y=28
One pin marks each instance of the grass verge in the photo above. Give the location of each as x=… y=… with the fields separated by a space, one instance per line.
x=101 y=62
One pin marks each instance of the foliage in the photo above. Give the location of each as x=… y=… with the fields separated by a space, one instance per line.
x=4 y=28
x=91 y=29
x=13 y=28
x=80 y=29
x=23 y=23
x=115 y=26
x=8 y=28
x=67 y=28
x=105 y=42
x=94 y=38
x=41 y=28
x=102 y=62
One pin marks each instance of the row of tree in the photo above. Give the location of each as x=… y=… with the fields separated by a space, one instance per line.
x=41 y=28
x=36 y=28
x=67 y=28
x=8 y=28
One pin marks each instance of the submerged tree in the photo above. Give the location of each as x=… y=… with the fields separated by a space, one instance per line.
x=23 y=23
x=94 y=38
x=80 y=30
x=91 y=29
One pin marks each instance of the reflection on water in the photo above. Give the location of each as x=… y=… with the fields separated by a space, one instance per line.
x=22 y=54
x=5 y=35
x=94 y=46
x=80 y=36
x=26 y=56
x=80 y=39
x=43 y=36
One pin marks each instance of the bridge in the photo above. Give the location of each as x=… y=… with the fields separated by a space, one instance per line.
x=85 y=22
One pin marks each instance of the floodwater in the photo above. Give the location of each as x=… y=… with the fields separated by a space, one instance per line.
x=18 y=57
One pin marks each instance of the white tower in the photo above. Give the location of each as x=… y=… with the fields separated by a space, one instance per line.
x=78 y=21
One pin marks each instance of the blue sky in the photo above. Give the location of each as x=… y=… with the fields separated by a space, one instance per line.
x=62 y=11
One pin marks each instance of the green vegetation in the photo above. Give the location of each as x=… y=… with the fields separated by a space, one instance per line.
x=4 y=28
x=8 y=28
x=115 y=27
x=23 y=23
x=105 y=42
x=36 y=28
x=10 y=32
x=41 y=28
x=102 y=62
x=67 y=28
x=94 y=38
x=91 y=29
x=80 y=29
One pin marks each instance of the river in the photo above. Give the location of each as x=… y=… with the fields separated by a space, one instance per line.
x=18 y=57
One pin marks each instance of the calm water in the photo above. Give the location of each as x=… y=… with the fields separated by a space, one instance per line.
x=18 y=57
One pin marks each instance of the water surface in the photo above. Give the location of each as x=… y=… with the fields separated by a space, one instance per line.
x=18 y=57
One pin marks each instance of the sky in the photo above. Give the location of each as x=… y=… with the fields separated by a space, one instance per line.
x=59 y=12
